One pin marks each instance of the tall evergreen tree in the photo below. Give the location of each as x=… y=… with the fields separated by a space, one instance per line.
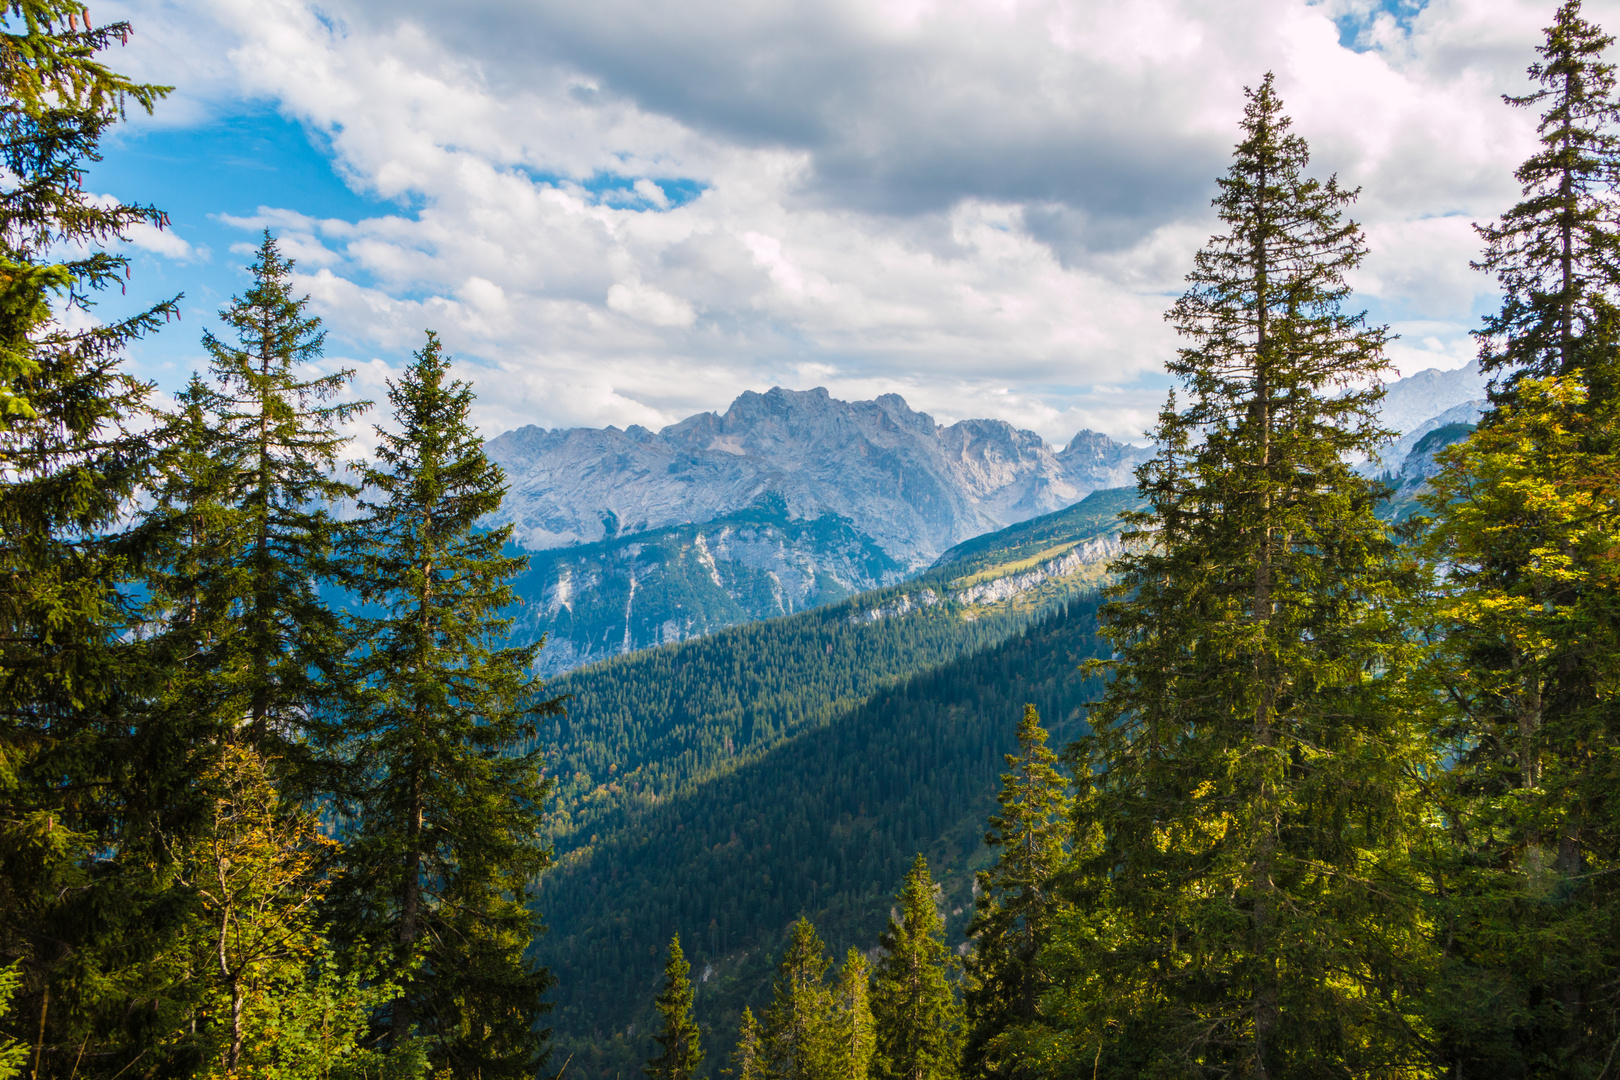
x=795 y=1035
x=80 y=822
x=1527 y=521
x=1526 y=617
x=1556 y=254
x=1016 y=897
x=852 y=1035
x=446 y=792
x=1243 y=902
x=914 y=1010
x=679 y=1043
x=749 y=1060
x=280 y=427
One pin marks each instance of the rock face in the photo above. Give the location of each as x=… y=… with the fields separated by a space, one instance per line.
x=1410 y=401
x=595 y=601
x=913 y=486
x=787 y=500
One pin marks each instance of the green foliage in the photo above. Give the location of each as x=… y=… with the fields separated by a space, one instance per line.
x=748 y=1059
x=13 y=1054
x=445 y=854
x=268 y=997
x=1526 y=625
x=852 y=1035
x=80 y=819
x=824 y=824
x=1015 y=898
x=680 y=1042
x=643 y=728
x=273 y=639
x=1242 y=898
x=797 y=1039
x=914 y=1011
x=1555 y=253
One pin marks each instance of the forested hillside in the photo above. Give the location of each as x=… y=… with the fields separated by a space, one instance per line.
x=824 y=825
x=642 y=727
x=691 y=777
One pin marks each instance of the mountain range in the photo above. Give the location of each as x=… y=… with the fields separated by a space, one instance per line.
x=786 y=501
x=790 y=500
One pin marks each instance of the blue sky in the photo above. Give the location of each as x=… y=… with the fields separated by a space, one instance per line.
x=624 y=212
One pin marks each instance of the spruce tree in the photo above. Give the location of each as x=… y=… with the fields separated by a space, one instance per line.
x=1015 y=897
x=749 y=1060
x=679 y=1043
x=1526 y=615
x=852 y=1033
x=1242 y=901
x=1556 y=254
x=280 y=426
x=915 y=1014
x=81 y=823
x=445 y=789
x=1526 y=624
x=796 y=1037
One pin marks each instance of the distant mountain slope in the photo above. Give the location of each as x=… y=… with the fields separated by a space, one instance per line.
x=641 y=726
x=824 y=824
x=719 y=786
x=595 y=601
x=911 y=485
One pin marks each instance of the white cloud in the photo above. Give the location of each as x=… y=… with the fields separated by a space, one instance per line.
x=625 y=211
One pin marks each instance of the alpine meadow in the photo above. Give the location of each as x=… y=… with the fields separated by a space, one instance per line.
x=813 y=740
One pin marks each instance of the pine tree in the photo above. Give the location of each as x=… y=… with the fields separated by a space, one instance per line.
x=680 y=1048
x=446 y=792
x=749 y=1060
x=1015 y=897
x=1556 y=254
x=1242 y=901
x=79 y=822
x=795 y=1035
x=852 y=1033
x=913 y=1008
x=281 y=428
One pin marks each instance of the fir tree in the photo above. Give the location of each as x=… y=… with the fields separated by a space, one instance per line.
x=914 y=1011
x=280 y=426
x=852 y=1033
x=1015 y=897
x=1556 y=254
x=796 y=1036
x=749 y=1058
x=1526 y=623
x=1251 y=799
x=680 y=1048
x=446 y=854
x=80 y=823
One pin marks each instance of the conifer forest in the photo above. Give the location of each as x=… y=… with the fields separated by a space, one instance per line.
x=1297 y=777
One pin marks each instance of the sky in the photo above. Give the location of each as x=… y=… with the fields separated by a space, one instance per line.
x=627 y=211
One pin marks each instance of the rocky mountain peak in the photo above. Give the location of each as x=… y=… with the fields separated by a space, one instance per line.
x=913 y=486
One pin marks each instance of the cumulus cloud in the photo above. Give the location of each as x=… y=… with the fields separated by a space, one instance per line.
x=625 y=211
